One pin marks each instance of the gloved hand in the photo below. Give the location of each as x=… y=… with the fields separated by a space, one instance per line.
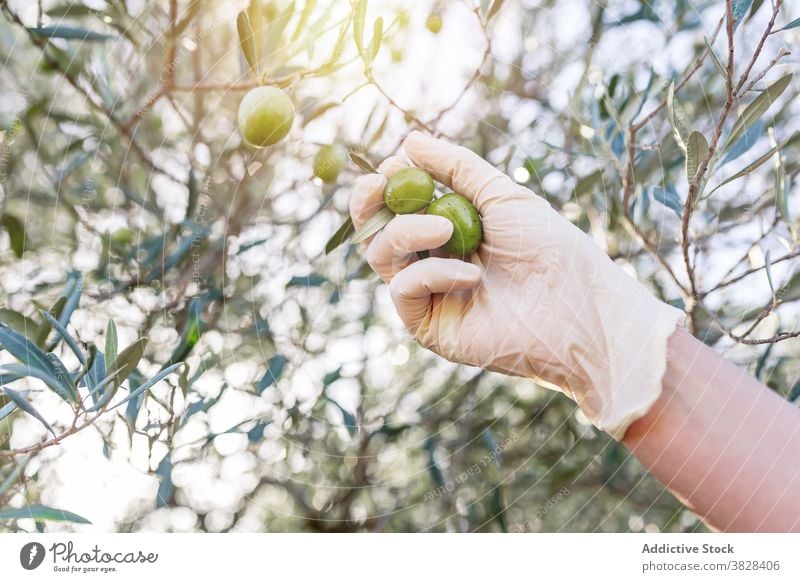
x=539 y=299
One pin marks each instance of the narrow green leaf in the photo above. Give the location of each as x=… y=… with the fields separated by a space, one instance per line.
x=18 y=322
x=110 y=352
x=11 y=406
x=768 y=271
x=165 y=486
x=793 y=24
x=13 y=479
x=375 y=43
x=782 y=192
x=310 y=280
x=40 y=512
x=669 y=198
x=494 y=9
x=68 y=33
x=738 y=9
x=43 y=331
x=275 y=369
x=247 y=41
x=70 y=341
x=752 y=166
x=756 y=109
x=696 y=150
x=342 y=233
x=94 y=376
x=433 y=467
x=349 y=421
x=26 y=407
x=192 y=330
x=359 y=15
x=331 y=377
x=363 y=163
x=376 y=222
x=72 y=10
x=149 y=384
x=63 y=375
x=32 y=357
x=678 y=119
x=120 y=369
x=749 y=138
x=16 y=233
x=308 y=9
x=715 y=59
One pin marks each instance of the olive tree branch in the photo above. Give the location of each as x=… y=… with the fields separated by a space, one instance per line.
x=704 y=164
x=743 y=79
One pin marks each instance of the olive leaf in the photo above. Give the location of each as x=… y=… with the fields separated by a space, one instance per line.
x=793 y=24
x=678 y=119
x=782 y=194
x=375 y=43
x=363 y=163
x=16 y=321
x=308 y=9
x=40 y=513
x=11 y=406
x=738 y=9
x=342 y=233
x=696 y=151
x=756 y=109
x=149 y=384
x=494 y=9
x=715 y=58
x=68 y=33
x=768 y=271
x=376 y=222
x=275 y=368
x=70 y=341
x=753 y=165
x=111 y=341
x=247 y=41
x=119 y=370
x=35 y=361
x=347 y=229
x=26 y=407
x=359 y=15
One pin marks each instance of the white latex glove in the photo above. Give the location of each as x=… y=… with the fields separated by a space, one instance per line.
x=539 y=299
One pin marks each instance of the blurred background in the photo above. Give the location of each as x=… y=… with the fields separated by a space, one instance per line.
x=278 y=390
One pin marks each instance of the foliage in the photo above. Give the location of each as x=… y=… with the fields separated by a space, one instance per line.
x=187 y=303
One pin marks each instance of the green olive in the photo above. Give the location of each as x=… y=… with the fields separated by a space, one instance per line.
x=266 y=115
x=434 y=22
x=122 y=236
x=408 y=191
x=330 y=160
x=467 y=229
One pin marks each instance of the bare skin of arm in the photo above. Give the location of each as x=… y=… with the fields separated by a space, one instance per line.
x=722 y=442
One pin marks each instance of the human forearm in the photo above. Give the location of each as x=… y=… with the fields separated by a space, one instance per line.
x=722 y=442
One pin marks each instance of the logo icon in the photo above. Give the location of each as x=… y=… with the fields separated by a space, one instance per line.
x=31 y=555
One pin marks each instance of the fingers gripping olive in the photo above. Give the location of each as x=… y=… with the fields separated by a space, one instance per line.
x=408 y=191
x=467 y=228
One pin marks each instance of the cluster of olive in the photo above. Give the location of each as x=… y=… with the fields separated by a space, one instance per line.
x=266 y=115
x=411 y=190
